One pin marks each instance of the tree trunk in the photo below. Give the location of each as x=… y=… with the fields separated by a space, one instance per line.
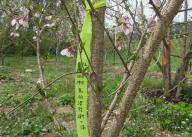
x=1 y=53
x=185 y=26
x=180 y=74
x=141 y=67
x=97 y=54
x=167 y=69
x=42 y=82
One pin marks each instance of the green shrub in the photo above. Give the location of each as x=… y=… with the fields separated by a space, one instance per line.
x=136 y=131
x=66 y=99
x=186 y=92
x=175 y=117
x=30 y=128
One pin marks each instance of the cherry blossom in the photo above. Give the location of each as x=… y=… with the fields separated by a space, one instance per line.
x=48 y=17
x=14 y=34
x=34 y=38
x=127 y=29
x=37 y=15
x=24 y=22
x=50 y=25
x=121 y=46
x=35 y=28
x=25 y=11
x=58 y=3
x=13 y=22
x=126 y=26
x=69 y=52
x=39 y=81
x=124 y=19
x=19 y=21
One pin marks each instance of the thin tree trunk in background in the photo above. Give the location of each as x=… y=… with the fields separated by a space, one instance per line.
x=97 y=55
x=2 y=56
x=185 y=27
x=169 y=56
x=180 y=74
x=167 y=68
x=41 y=76
x=42 y=82
x=141 y=67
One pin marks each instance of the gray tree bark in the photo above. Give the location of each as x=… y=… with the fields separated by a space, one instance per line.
x=97 y=54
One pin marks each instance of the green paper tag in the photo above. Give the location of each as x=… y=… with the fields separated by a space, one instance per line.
x=82 y=65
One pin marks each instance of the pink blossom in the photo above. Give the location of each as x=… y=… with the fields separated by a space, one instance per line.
x=34 y=38
x=126 y=26
x=124 y=19
x=121 y=46
x=14 y=34
x=25 y=11
x=127 y=29
x=50 y=25
x=17 y=21
x=13 y=22
x=37 y=15
x=69 y=52
x=39 y=81
x=48 y=17
x=58 y=3
x=23 y=22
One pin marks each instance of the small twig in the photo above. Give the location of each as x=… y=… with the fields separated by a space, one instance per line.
x=119 y=89
x=113 y=103
x=109 y=7
x=81 y=43
x=106 y=31
x=155 y=8
x=177 y=56
x=158 y=63
x=140 y=107
x=174 y=87
x=131 y=36
x=35 y=94
x=185 y=10
x=133 y=18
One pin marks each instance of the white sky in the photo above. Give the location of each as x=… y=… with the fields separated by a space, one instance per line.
x=148 y=11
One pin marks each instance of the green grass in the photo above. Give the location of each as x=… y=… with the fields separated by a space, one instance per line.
x=33 y=120
x=175 y=61
x=152 y=83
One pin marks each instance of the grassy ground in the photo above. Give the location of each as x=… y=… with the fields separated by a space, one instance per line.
x=17 y=85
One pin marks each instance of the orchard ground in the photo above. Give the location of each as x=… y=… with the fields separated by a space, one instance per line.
x=151 y=117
